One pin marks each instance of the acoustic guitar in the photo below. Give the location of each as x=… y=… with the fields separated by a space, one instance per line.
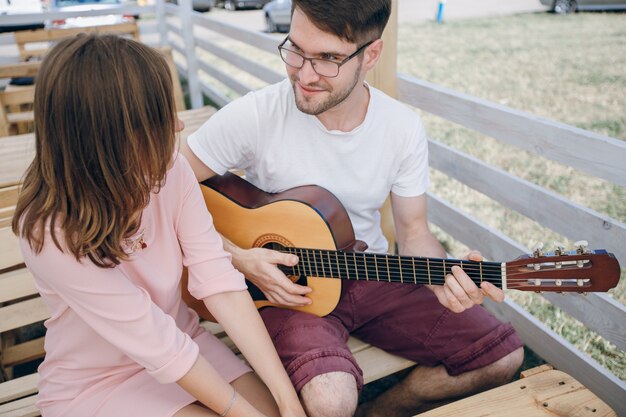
x=310 y=222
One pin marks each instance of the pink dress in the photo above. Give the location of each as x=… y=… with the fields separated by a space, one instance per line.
x=119 y=338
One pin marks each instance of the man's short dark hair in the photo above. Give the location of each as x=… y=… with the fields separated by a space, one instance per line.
x=355 y=21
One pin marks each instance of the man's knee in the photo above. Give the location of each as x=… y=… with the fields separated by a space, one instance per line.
x=505 y=368
x=333 y=394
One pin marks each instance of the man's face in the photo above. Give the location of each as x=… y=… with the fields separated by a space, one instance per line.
x=314 y=93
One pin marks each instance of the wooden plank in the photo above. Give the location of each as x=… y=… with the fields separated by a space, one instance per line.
x=10 y=249
x=544 y=394
x=598 y=155
x=18 y=387
x=23 y=95
x=549 y=209
x=16 y=284
x=8 y=195
x=377 y=363
x=23 y=352
x=224 y=78
x=24 y=407
x=20 y=69
x=23 y=313
x=598 y=312
x=251 y=67
x=562 y=354
x=259 y=40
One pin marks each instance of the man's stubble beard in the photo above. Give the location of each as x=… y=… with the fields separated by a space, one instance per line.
x=334 y=99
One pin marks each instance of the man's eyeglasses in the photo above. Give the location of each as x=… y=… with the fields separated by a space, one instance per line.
x=324 y=67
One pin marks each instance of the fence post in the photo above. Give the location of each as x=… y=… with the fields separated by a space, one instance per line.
x=195 y=94
x=161 y=18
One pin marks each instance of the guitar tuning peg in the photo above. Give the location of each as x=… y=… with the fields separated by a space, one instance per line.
x=538 y=250
x=581 y=247
x=559 y=248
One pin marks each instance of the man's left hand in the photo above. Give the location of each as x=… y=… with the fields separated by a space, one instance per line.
x=459 y=291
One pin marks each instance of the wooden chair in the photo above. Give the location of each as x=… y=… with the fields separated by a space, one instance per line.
x=29 y=42
x=16 y=115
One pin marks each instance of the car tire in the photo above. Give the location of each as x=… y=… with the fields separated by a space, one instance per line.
x=564 y=6
x=270 y=25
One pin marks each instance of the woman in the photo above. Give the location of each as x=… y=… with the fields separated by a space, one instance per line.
x=107 y=217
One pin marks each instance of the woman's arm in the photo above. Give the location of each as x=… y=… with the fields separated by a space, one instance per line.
x=205 y=384
x=236 y=312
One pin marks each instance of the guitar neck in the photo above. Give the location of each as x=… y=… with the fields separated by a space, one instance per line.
x=364 y=266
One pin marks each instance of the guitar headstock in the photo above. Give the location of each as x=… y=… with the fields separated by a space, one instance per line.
x=581 y=270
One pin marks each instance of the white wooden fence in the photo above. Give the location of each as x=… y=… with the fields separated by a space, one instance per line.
x=189 y=34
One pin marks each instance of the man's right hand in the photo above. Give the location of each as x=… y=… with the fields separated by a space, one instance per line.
x=259 y=266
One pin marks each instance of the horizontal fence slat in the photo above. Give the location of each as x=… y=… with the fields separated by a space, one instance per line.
x=562 y=354
x=599 y=312
x=224 y=78
x=215 y=96
x=491 y=242
x=548 y=208
x=245 y=64
x=598 y=155
x=259 y=40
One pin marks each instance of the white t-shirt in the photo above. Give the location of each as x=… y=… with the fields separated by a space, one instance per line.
x=279 y=147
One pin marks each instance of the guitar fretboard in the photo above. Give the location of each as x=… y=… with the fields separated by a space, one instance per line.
x=365 y=266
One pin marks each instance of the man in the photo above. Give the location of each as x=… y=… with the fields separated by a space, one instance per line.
x=326 y=126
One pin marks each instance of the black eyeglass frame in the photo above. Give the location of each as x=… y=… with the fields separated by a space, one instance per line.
x=304 y=59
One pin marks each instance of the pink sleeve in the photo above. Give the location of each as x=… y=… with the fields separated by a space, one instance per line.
x=117 y=309
x=210 y=268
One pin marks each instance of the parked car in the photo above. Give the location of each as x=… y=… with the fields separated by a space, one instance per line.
x=201 y=6
x=570 y=6
x=84 y=6
x=16 y=7
x=277 y=16
x=241 y=4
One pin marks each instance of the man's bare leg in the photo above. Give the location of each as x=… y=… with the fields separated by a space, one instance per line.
x=330 y=395
x=426 y=388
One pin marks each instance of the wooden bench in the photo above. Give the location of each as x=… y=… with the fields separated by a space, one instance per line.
x=16 y=111
x=29 y=42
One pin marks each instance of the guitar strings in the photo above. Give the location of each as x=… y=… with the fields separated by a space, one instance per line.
x=483 y=271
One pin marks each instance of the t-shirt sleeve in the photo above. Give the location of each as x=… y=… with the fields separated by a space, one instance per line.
x=209 y=265
x=412 y=175
x=228 y=138
x=117 y=309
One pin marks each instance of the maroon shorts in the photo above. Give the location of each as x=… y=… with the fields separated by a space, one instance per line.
x=405 y=320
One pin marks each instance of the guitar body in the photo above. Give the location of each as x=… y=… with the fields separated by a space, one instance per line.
x=307 y=216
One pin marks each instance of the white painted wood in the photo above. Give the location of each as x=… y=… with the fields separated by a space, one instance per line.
x=262 y=41
x=245 y=64
x=161 y=22
x=215 y=96
x=548 y=208
x=195 y=94
x=224 y=78
x=599 y=312
x=598 y=155
x=563 y=355
x=26 y=18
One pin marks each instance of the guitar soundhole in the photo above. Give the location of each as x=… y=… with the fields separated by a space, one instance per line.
x=279 y=244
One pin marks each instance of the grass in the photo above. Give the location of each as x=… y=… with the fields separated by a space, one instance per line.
x=566 y=68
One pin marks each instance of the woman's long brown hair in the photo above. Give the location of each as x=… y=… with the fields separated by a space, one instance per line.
x=105 y=135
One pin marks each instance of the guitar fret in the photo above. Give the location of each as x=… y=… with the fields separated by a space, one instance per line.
x=444 y=270
x=400 y=265
x=356 y=269
x=388 y=272
x=308 y=261
x=337 y=262
x=376 y=265
x=315 y=263
x=481 y=272
x=330 y=264
x=345 y=261
x=428 y=267
x=414 y=274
